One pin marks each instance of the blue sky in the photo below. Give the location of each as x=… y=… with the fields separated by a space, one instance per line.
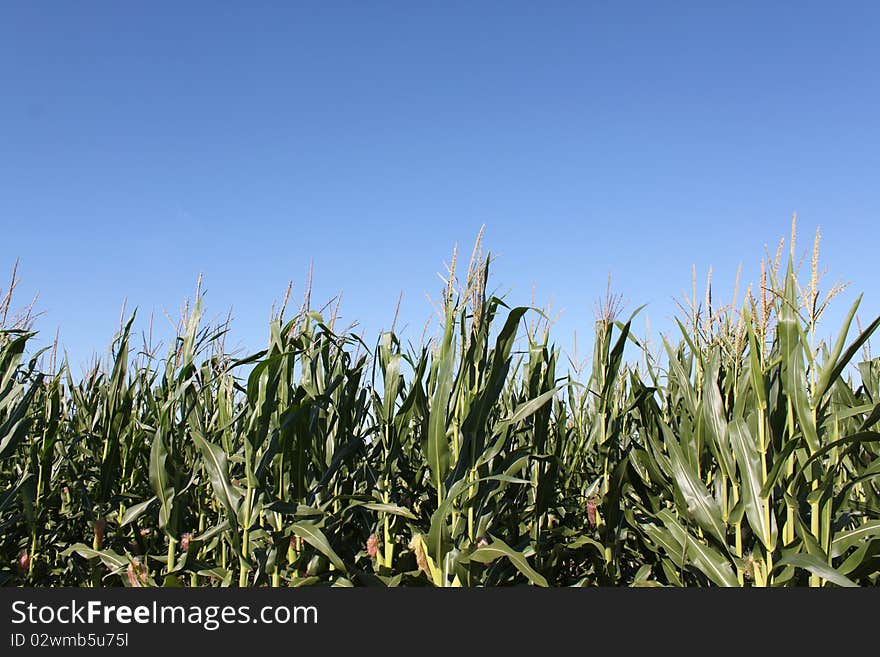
x=143 y=143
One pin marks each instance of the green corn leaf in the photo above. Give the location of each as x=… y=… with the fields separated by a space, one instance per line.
x=132 y=513
x=760 y=515
x=160 y=481
x=498 y=548
x=438 y=443
x=215 y=462
x=309 y=532
x=844 y=540
x=816 y=566
x=699 y=504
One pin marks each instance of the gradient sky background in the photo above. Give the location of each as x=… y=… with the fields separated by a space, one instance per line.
x=143 y=143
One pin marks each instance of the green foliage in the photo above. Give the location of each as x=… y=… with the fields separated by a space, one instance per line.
x=746 y=456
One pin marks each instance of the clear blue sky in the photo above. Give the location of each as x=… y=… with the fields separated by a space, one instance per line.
x=143 y=143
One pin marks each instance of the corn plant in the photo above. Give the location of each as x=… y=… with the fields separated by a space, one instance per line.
x=744 y=453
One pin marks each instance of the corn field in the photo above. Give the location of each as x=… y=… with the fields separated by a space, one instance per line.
x=742 y=452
